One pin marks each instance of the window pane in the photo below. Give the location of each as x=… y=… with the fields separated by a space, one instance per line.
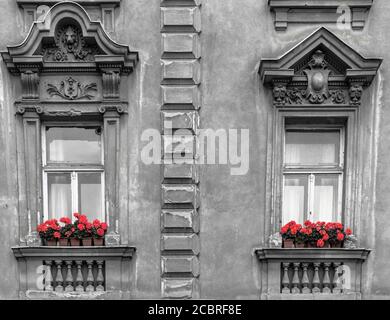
x=326 y=198
x=295 y=198
x=60 y=195
x=73 y=144
x=90 y=195
x=312 y=147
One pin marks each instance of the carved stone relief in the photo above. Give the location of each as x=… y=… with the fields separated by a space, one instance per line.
x=71 y=89
x=317 y=79
x=70 y=45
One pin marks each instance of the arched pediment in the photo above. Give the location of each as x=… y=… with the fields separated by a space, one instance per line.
x=322 y=68
x=68 y=39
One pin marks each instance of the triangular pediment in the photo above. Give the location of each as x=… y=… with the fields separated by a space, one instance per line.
x=67 y=38
x=341 y=60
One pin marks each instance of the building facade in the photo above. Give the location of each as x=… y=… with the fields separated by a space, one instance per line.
x=195 y=129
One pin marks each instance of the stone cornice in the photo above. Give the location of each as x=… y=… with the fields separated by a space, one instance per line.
x=318 y=11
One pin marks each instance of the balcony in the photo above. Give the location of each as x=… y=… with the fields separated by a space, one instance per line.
x=75 y=272
x=311 y=274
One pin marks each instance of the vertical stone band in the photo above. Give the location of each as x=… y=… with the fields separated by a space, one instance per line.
x=180 y=104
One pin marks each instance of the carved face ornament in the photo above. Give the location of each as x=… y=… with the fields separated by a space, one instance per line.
x=70 y=39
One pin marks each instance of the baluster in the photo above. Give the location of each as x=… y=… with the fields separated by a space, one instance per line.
x=316 y=278
x=285 y=279
x=79 y=277
x=90 y=282
x=305 y=279
x=100 y=278
x=326 y=281
x=69 y=277
x=295 y=280
x=59 y=278
x=337 y=280
x=48 y=276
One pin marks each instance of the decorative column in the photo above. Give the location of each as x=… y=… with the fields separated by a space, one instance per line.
x=180 y=104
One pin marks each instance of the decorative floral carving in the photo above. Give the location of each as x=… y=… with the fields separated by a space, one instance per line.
x=355 y=94
x=338 y=96
x=69 y=45
x=71 y=89
x=284 y=95
x=317 y=79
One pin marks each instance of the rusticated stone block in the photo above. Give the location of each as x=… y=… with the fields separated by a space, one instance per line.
x=181 y=95
x=181 y=194
x=179 y=147
x=175 y=265
x=180 y=243
x=180 y=71
x=173 y=220
x=180 y=171
x=180 y=19
x=180 y=120
x=180 y=45
x=180 y=288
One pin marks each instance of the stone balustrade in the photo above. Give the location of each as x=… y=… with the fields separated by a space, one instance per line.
x=311 y=273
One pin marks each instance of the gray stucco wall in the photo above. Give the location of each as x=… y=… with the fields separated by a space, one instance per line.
x=235 y=36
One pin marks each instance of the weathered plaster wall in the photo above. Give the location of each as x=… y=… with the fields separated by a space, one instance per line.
x=235 y=35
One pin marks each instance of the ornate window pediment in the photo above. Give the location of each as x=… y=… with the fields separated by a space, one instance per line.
x=66 y=42
x=321 y=69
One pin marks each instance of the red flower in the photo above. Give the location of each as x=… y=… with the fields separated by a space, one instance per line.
x=65 y=220
x=83 y=219
x=81 y=227
x=325 y=237
x=307 y=223
x=104 y=226
x=340 y=236
x=100 y=232
x=76 y=215
x=348 y=231
x=68 y=234
x=96 y=223
x=320 y=243
x=57 y=235
x=284 y=230
x=88 y=226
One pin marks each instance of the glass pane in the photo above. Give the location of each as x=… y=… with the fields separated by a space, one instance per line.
x=73 y=144
x=60 y=195
x=294 y=198
x=326 y=197
x=90 y=195
x=312 y=147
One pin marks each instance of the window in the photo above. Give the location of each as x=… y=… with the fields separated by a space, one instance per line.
x=313 y=170
x=73 y=170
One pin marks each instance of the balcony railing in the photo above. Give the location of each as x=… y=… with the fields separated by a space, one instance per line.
x=75 y=272
x=311 y=273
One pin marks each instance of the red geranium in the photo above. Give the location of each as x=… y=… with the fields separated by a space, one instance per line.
x=320 y=243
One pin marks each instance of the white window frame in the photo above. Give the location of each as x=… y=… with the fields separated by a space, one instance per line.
x=312 y=170
x=73 y=169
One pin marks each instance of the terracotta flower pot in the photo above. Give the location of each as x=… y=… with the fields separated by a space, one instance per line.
x=51 y=243
x=299 y=244
x=338 y=244
x=326 y=245
x=64 y=242
x=74 y=242
x=87 y=242
x=98 y=241
x=288 y=243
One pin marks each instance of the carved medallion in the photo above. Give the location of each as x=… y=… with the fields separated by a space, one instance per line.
x=71 y=89
x=317 y=79
x=70 y=45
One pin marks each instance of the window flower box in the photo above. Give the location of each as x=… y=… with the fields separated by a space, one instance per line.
x=314 y=235
x=80 y=232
